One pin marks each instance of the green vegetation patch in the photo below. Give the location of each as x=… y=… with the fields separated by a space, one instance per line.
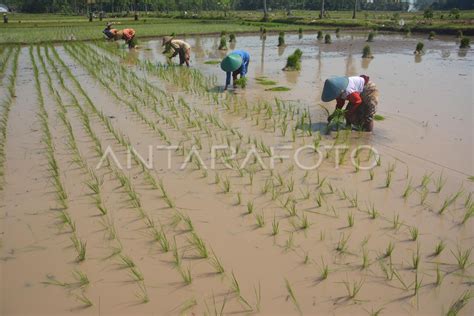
x=212 y=62
x=379 y=117
x=265 y=81
x=278 y=89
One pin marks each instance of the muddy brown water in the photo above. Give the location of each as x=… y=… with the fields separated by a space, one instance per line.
x=428 y=129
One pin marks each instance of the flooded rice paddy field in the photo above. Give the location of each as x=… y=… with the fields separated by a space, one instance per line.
x=200 y=237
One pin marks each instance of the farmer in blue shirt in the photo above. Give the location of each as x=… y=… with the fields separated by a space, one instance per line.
x=237 y=63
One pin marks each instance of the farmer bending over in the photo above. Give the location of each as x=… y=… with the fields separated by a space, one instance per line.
x=180 y=48
x=109 y=32
x=128 y=35
x=362 y=95
x=236 y=63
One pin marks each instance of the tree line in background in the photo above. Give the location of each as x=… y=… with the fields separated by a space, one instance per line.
x=196 y=6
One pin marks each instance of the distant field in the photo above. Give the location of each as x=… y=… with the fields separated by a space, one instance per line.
x=37 y=28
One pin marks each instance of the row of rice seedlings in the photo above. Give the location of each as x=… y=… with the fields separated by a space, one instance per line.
x=5 y=106
x=79 y=245
x=134 y=272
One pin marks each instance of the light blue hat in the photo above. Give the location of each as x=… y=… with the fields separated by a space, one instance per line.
x=333 y=87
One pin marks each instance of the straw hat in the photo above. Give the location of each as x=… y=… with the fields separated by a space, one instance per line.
x=333 y=87
x=166 y=40
x=231 y=62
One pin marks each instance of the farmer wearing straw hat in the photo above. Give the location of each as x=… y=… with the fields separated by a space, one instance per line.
x=109 y=32
x=362 y=95
x=236 y=63
x=179 y=47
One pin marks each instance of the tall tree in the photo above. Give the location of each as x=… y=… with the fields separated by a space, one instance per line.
x=265 y=11
x=321 y=15
x=355 y=8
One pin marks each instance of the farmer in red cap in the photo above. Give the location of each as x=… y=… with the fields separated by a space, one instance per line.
x=362 y=95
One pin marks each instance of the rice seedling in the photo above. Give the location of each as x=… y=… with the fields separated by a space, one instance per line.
x=84 y=299
x=425 y=180
x=187 y=305
x=80 y=246
x=439 y=276
x=462 y=257
x=324 y=270
x=388 y=178
x=417 y=284
x=142 y=295
x=373 y=213
x=292 y=296
x=250 y=207
x=126 y=261
x=350 y=219
x=423 y=195
x=319 y=199
x=199 y=245
x=260 y=218
x=293 y=62
x=304 y=224
x=216 y=311
x=459 y=304
x=342 y=243
x=235 y=284
x=223 y=43
x=439 y=183
x=186 y=275
x=366 y=52
x=289 y=243
x=419 y=48
x=216 y=263
x=413 y=233
x=407 y=191
x=389 y=249
x=465 y=42
x=327 y=39
x=136 y=274
x=415 y=258
x=396 y=223
x=468 y=214
x=353 y=288
x=439 y=248
x=432 y=35
x=290 y=185
x=162 y=239
x=258 y=297
x=278 y=89
x=281 y=39
x=275 y=227
x=365 y=258
x=226 y=185
x=291 y=208
x=370 y=37
x=450 y=200
x=320 y=35
x=81 y=278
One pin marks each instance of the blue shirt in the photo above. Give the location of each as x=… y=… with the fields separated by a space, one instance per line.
x=243 y=69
